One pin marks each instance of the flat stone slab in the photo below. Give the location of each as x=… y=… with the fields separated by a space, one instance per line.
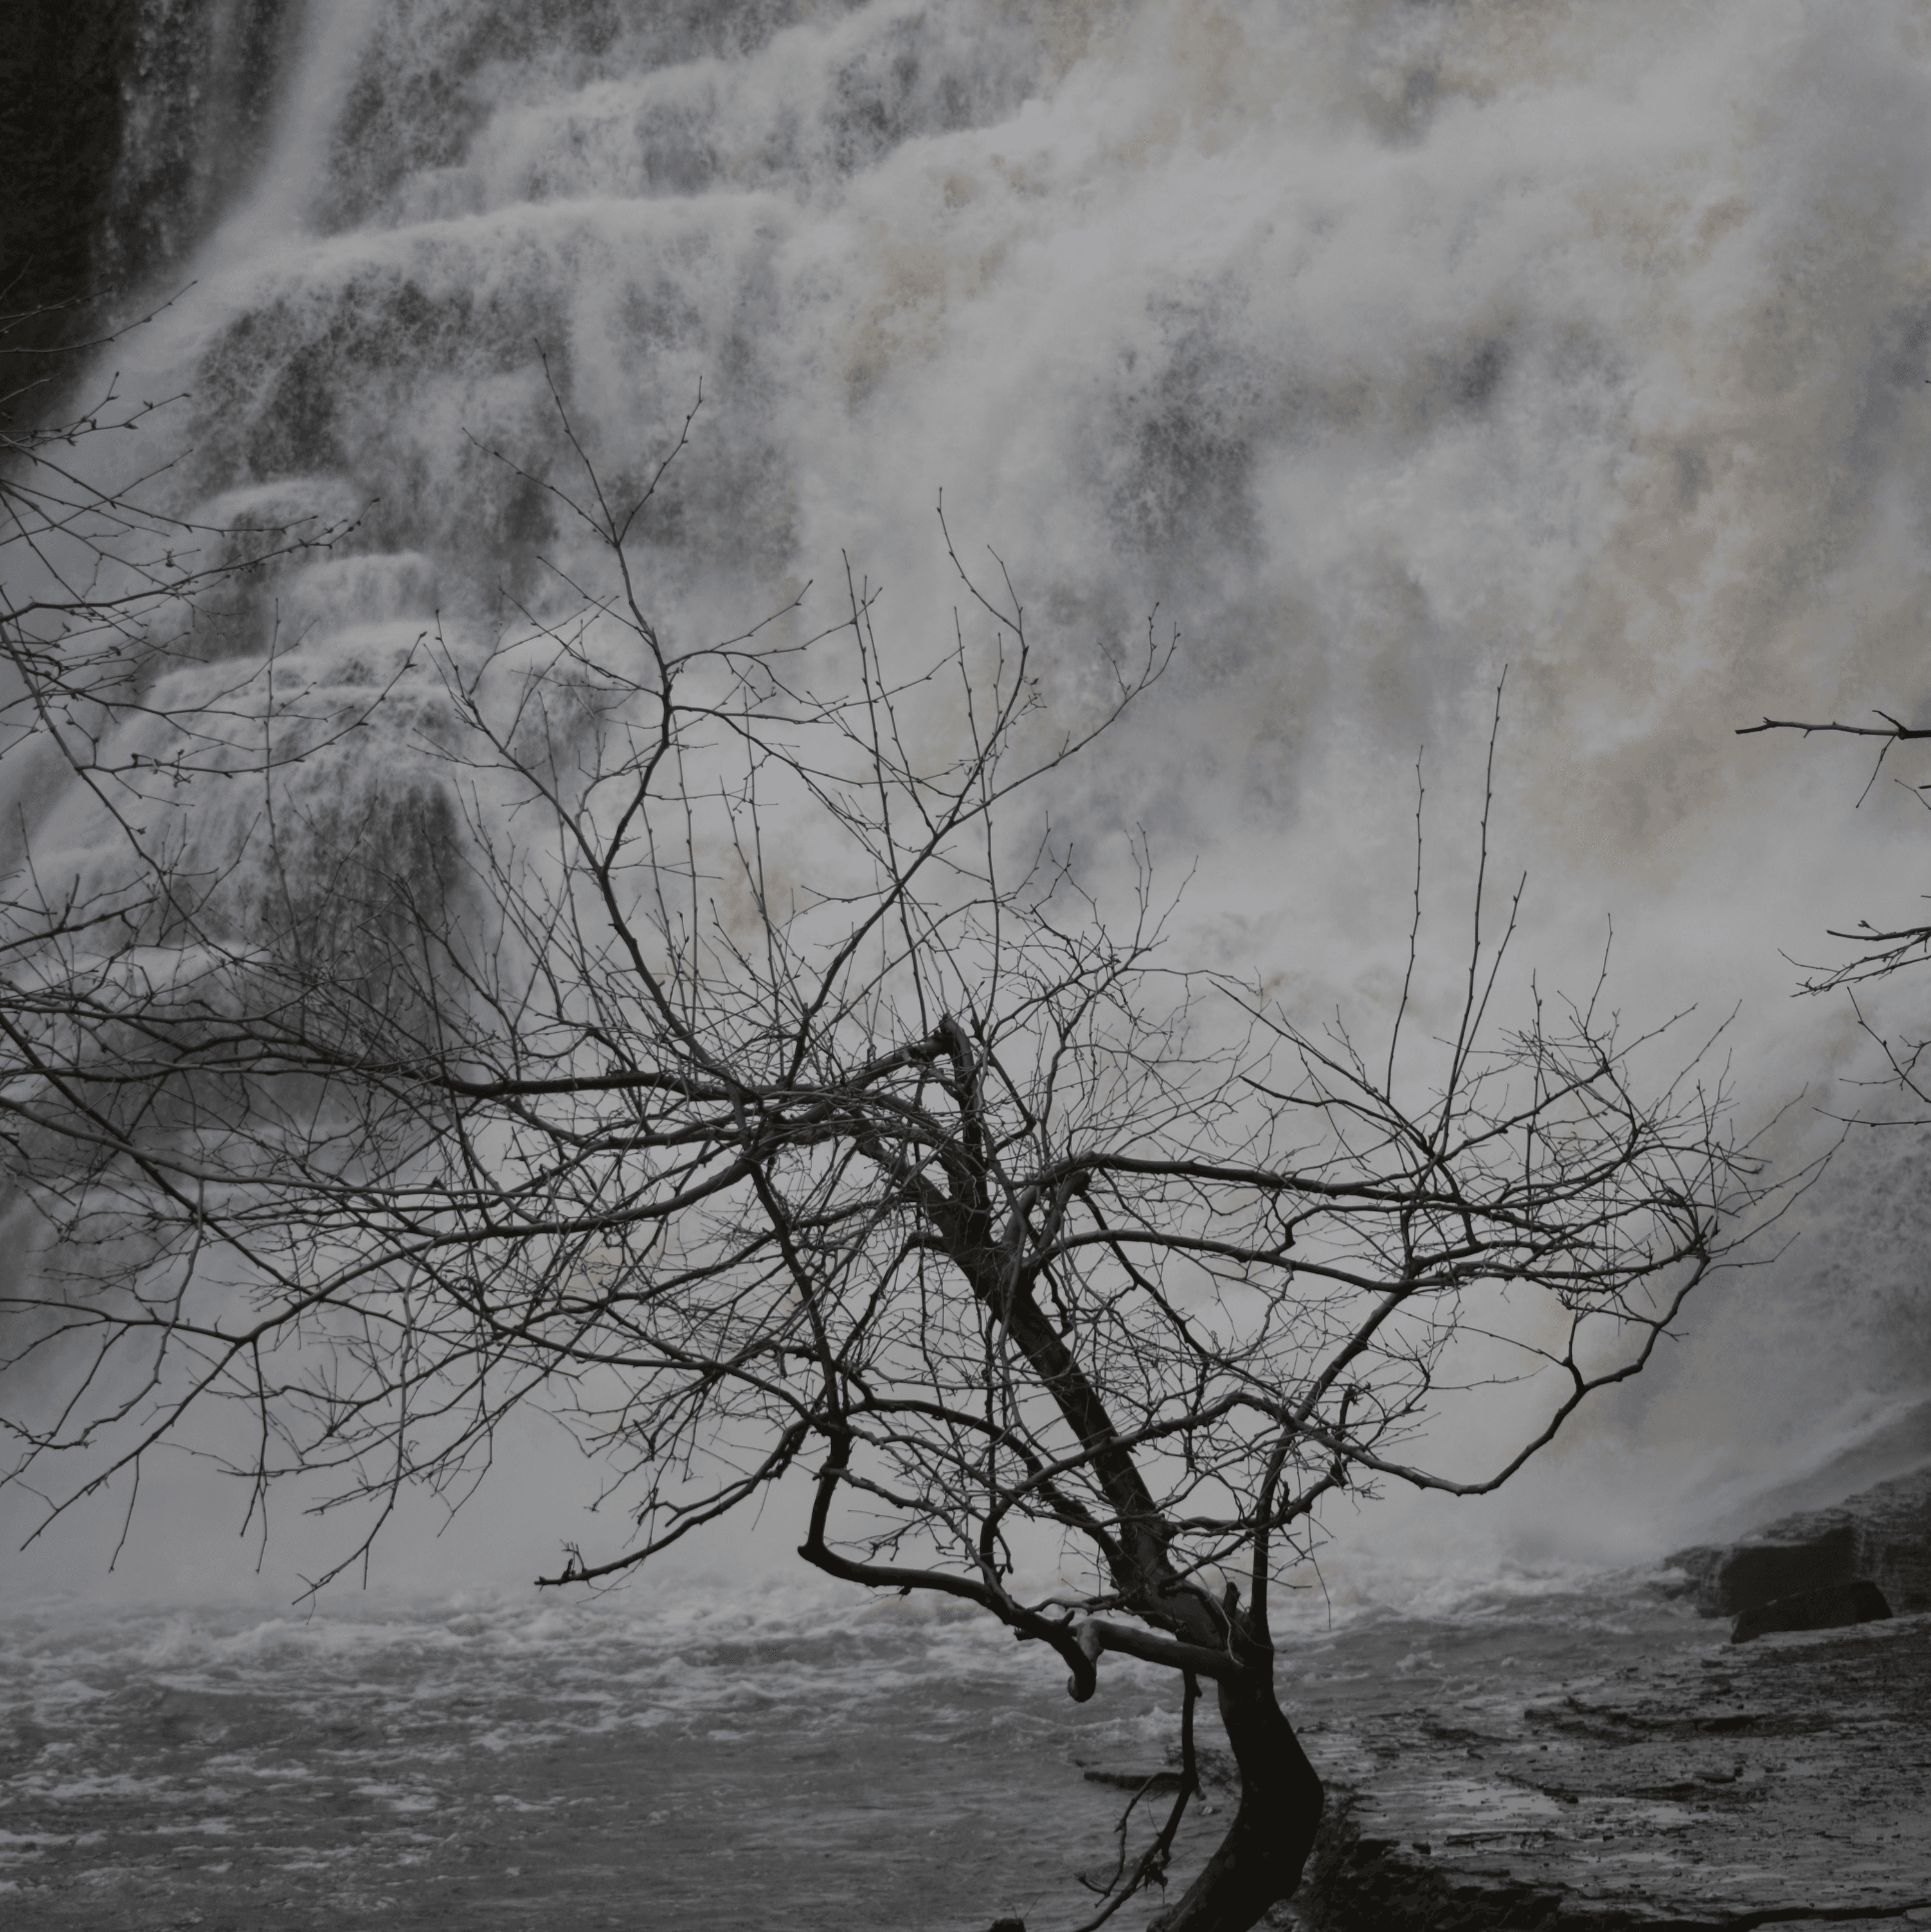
x=1709 y=1791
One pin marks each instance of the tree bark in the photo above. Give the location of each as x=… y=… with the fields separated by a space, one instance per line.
x=1259 y=1860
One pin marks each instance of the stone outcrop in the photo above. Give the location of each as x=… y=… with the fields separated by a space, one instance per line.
x=131 y=127
x=1883 y=1536
x=1699 y=1790
x=1859 y=1601
x=1785 y=1783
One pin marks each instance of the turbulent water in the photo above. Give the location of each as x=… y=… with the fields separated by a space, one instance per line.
x=1378 y=345
x=693 y=1762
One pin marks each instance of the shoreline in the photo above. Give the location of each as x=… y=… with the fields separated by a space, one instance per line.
x=1784 y=1780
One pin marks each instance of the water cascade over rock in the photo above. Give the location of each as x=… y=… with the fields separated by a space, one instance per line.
x=1379 y=346
x=132 y=126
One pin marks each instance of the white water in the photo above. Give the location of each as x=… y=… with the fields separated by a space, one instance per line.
x=778 y=1757
x=1381 y=345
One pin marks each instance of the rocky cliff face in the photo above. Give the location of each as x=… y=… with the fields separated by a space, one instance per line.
x=129 y=126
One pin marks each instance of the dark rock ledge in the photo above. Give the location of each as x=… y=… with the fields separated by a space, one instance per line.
x=1882 y=1536
x=1710 y=1790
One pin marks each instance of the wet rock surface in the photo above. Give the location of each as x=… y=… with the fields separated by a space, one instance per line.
x=1787 y=1782
x=1859 y=1601
x=1882 y=1535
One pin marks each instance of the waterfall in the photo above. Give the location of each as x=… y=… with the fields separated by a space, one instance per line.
x=1379 y=346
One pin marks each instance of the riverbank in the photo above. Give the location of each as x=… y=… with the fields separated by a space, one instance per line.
x=1781 y=1781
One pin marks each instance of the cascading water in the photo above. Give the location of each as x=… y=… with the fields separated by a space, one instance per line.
x=132 y=128
x=1378 y=345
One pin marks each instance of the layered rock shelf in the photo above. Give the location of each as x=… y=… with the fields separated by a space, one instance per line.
x=1882 y=1537
x=1785 y=1781
x=1715 y=1787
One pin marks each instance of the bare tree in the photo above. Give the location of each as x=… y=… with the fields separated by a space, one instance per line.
x=123 y=675
x=1887 y=950
x=728 y=1089
x=123 y=678
x=1881 y=950
x=107 y=585
x=122 y=681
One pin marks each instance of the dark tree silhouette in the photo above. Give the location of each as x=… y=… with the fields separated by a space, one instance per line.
x=119 y=688
x=722 y=1084
x=1887 y=950
x=1880 y=950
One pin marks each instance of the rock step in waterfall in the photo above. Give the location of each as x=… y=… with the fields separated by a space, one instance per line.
x=1869 y=1557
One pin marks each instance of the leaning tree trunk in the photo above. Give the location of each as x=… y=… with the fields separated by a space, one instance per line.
x=1259 y=1862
